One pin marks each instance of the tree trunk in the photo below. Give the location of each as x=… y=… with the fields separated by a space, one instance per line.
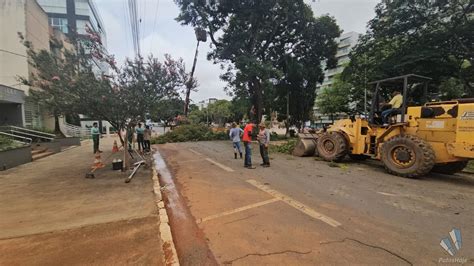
x=57 y=128
x=257 y=94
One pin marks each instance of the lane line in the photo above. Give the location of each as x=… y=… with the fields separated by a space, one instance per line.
x=295 y=204
x=190 y=161
x=244 y=208
x=228 y=169
x=387 y=194
x=195 y=152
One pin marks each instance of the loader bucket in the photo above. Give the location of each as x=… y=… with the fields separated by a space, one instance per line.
x=306 y=145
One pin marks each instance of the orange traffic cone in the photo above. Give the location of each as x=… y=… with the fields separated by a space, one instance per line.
x=97 y=161
x=115 y=147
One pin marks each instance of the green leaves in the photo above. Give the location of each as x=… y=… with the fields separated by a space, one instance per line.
x=429 y=38
x=255 y=39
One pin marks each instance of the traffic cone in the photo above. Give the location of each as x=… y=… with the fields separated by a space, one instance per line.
x=115 y=147
x=97 y=161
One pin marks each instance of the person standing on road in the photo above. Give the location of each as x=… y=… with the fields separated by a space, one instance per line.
x=95 y=133
x=140 y=139
x=147 y=138
x=264 y=140
x=247 y=139
x=234 y=134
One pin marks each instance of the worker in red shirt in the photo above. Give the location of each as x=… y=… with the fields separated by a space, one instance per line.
x=247 y=139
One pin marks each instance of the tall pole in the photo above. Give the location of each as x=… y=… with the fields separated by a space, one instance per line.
x=207 y=113
x=190 y=82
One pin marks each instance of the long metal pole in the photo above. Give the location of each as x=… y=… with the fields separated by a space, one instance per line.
x=190 y=82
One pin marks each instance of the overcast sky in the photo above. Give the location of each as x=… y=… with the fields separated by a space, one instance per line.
x=161 y=34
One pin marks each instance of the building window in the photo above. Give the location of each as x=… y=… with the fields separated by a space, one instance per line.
x=59 y=23
x=82 y=7
x=82 y=26
x=53 y=6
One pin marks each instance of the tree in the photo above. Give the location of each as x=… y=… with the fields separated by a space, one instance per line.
x=430 y=38
x=167 y=110
x=54 y=73
x=335 y=98
x=220 y=111
x=256 y=37
x=138 y=88
x=65 y=82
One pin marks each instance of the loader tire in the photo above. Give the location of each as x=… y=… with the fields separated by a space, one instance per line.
x=407 y=156
x=450 y=168
x=332 y=146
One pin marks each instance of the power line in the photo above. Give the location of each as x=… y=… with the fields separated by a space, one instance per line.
x=154 y=23
x=13 y=53
x=134 y=26
x=127 y=22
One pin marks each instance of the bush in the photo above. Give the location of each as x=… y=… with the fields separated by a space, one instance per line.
x=8 y=144
x=284 y=148
x=191 y=132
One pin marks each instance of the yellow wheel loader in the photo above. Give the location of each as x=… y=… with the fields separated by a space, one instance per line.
x=434 y=136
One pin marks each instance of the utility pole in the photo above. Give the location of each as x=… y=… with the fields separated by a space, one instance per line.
x=201 y=35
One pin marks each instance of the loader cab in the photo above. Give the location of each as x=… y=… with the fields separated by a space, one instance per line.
x=414 y=90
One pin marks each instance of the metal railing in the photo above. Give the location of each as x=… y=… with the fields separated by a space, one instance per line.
x=27 y=133
x=74 y=131
x=16 y=137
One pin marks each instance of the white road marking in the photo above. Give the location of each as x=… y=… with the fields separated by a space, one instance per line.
x=220 y=165
x=190 y=161
x=387 y=194
x=251 y=206
x=195 y=152
x=295 y=204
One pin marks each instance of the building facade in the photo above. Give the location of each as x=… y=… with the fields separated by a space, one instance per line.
x=29 y=19
x=205 y=103
x=76 y=16
x=346 y=42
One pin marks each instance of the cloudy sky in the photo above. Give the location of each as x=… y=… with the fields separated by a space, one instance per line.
x=161 y=34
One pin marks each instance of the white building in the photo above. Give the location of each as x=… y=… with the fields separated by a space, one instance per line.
x=76 y=16
x=346 y=42
x=29 y=19
x=204 y=103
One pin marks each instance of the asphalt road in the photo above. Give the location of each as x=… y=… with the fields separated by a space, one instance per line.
x=305 y=211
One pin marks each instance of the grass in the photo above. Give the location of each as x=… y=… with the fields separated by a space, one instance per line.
x=286 y=147
x=9 y=144
x=470 y=166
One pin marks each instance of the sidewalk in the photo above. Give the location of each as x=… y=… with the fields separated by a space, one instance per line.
x=51 y=215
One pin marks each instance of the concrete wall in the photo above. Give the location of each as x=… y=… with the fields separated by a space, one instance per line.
x=37 y=27
x=15 y=157
x=13 y=62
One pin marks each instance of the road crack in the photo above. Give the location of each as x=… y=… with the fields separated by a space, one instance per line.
x=267 y=254
x=368 y=245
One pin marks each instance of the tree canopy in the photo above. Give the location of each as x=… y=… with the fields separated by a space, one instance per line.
x=429 y=38
x=65 y=82
x=254 y=40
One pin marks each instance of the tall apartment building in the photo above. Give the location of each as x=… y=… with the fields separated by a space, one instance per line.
x=345 y=44
x=29 y=19
x=75 y=16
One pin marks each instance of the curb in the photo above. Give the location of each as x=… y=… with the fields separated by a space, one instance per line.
x=169 y=250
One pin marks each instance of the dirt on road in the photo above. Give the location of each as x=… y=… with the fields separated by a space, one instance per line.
x=304 y=211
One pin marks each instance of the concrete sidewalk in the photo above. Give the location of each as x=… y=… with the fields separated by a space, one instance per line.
x=50 y=214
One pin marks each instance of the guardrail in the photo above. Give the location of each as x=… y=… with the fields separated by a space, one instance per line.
x=22 y=139
x=74 y=131
x=27 y=133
